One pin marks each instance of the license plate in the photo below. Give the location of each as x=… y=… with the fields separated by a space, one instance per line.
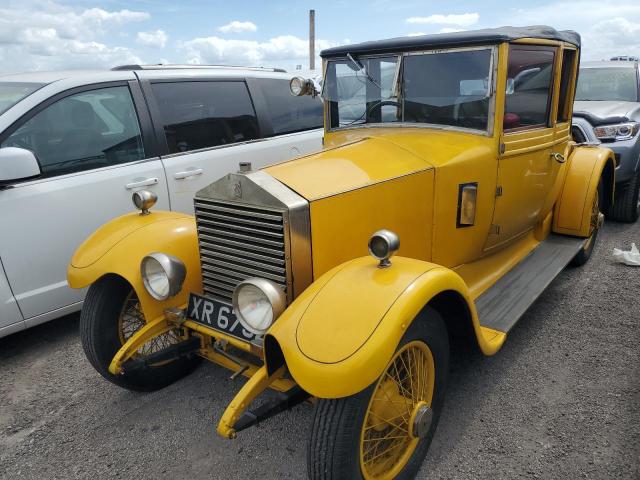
x=217 y=315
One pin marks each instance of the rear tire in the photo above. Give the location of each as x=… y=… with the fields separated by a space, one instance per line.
x=626 y=206
x=102 y=336
x=339 y=432
x=585 y=252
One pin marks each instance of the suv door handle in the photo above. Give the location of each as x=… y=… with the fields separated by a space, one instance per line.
x=558 y=157
x=188 y=173
x=141 y=183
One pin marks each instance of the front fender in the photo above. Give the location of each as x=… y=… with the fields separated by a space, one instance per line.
x=119 y=246
x=586 y=165
x=338 y=336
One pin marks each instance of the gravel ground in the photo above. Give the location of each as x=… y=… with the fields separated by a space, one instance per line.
x=561 y=400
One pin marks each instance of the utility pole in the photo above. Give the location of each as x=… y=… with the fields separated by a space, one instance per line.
x=312 y=39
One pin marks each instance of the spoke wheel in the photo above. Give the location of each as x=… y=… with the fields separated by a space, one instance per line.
x=384 y=431
x=389 y=436
x=131 y=320
x=110 y=315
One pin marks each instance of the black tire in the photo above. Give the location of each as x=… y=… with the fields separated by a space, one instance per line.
x=584 y=254
x=101 y=339
x=334 y=445
x=626 y=206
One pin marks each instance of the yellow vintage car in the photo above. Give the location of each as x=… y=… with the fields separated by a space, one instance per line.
x=451 y=151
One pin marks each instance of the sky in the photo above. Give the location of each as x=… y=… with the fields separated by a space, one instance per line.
x=69 y=34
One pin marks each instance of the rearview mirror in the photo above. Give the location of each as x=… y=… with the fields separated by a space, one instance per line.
x=17 y=164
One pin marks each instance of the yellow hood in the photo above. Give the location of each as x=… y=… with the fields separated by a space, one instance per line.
x=363 y=162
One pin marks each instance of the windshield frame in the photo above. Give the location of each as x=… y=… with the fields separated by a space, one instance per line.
x=37 y=86
x=397 y=88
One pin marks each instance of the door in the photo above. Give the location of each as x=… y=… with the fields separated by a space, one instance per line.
x=210 y=126
x=92 y=157
x=527 y=170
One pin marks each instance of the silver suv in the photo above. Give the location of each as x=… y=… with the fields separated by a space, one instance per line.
x=607 y=110
x=74 y=146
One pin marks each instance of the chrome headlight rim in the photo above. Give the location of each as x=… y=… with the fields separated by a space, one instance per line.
x=382 y=245
x=272 y=293
x=617 y=132
x=173 y=269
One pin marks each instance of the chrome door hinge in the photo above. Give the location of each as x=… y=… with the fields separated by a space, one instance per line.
x=494 y=229
x=498 y=191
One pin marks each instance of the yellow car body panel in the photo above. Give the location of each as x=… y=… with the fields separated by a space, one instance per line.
x=403 y=205
x=105 y=252
x=336 y=345
x=362 y=162
x=572 y=213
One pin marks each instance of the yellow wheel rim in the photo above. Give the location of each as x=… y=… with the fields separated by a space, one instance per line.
x=387 y=440
x=595 y=220
x=132 y=319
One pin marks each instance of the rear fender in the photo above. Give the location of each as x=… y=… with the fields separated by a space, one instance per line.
x=586 y=166
x=119 y=246
x=338 y=336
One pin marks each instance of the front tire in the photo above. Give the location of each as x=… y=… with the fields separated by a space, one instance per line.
x=110 y=315
x=377 y=434
x=626 y=205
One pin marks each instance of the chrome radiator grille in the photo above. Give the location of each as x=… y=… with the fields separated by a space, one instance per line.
x=238 y=242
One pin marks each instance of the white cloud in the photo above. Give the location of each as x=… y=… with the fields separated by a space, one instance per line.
x=47 y=35
x=238 y=27
x=282 y=50
x=415 y=34
x=157 y=38
x=607 y=27
x=461 y=20
x=450 y=30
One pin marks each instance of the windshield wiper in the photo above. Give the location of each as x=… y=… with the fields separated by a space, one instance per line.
x=361 y=68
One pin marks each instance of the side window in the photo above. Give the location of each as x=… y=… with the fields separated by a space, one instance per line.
x=88 y=130
x=199 y=115
x=566 y=76
x=529 y=83
x=288 y=113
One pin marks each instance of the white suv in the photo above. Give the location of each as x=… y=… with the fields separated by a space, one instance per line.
x=74 y=146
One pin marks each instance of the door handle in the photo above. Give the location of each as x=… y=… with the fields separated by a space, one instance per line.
x=558 y=157
x=188 y=173
x=141 y=183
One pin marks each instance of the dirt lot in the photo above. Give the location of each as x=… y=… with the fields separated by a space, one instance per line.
x=561 y=400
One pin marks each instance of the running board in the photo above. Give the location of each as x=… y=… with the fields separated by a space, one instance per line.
x=500 y=307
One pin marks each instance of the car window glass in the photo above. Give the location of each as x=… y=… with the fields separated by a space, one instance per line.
x=450 y=88
x=529 y=80
x=607 y=84
x=12 y=92
x=566 y=75
x=84 y=131
x=288 y=113
x=199 y=115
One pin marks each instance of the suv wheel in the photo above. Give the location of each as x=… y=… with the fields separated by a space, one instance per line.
x=626 y=206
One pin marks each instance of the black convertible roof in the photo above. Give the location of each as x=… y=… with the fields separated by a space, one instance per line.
x=486 y=36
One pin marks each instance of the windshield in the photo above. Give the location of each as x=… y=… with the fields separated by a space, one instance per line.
x=445 y=88
x=12 y=92
x=607 y=84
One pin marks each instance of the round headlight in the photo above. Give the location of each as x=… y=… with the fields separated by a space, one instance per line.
x=382 y=245
x=162 y=275
x=298 y=86
x=258 y=303
x=144 y=200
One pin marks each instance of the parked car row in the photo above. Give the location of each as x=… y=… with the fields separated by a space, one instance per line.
x=74 y=146
x=607 y=111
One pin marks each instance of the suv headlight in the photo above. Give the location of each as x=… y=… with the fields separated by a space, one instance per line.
x=162 y=275
x=621 y=131
x=258 y=303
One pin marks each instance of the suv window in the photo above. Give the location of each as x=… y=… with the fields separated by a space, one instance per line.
x=199 y=115
x=529 y=80
x=92 y=129
x=288 y=113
